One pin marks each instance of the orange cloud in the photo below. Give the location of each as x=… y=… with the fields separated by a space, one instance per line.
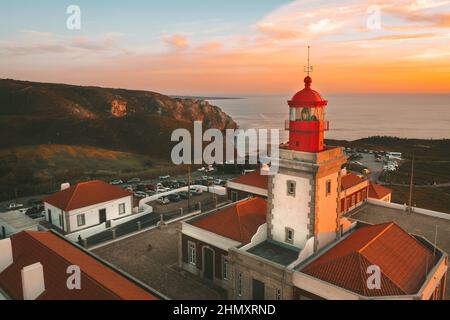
x=177 y=41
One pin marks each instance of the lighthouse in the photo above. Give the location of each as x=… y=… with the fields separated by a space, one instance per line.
x=303 y=197
x=306 y=122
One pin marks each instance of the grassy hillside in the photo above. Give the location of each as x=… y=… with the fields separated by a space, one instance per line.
x=40 y=169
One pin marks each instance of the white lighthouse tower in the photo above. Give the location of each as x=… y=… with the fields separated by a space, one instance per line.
x=303 y=197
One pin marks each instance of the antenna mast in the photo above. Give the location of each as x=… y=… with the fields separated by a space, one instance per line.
x=309 y=68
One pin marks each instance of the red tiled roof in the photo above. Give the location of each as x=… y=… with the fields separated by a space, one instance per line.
x=85 y=194
x=98 y=281
x=378 y=192
x=238 y=222
x=254 y=179
x=350 y=180
x=402 y=259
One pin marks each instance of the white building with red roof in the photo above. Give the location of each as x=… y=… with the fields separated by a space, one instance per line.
x=87 y=205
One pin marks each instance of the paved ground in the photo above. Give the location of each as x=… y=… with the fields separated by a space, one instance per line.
x=152 y=258
x=413 y=223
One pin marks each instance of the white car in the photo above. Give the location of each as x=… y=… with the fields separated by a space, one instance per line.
x=163 y=200
x=218 y=182
x=162 y=189
x=14 y=206
x=116 y=182
x=202 y=169
x=140 y=194
x=164 y=177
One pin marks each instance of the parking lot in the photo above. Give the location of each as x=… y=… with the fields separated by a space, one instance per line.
x=204 y=201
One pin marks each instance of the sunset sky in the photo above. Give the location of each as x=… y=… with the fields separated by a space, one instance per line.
x=231 y=47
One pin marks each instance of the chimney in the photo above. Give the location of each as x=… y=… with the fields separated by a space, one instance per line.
x=65 y=186
x=6 y=256
x=33 y=284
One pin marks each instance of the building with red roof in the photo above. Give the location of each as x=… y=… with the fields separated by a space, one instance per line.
x=206 y=239
x=355 y=190
x=253 y=184
x=86 y=205
x=44 y=266
x=404 y=265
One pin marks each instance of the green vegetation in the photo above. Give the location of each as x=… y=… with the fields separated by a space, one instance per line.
x=437 y=199
x=40 y=169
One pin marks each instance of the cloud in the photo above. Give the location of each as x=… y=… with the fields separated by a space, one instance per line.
x=177 y=41
x=324 y=26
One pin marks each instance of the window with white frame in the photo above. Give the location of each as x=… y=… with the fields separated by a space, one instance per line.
x=81 y=220
x=291 y=188
x=224 y=268
x=289 y=235
x=192 y=253
x=121 y=208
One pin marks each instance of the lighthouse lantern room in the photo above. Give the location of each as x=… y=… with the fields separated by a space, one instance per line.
x=306 y=122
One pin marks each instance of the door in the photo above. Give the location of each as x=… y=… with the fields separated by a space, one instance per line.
x=258 y=290
x=208 y=258
x=50 y=216
x=102 y=215
x=3 y=232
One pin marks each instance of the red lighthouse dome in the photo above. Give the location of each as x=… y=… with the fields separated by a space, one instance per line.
x=307 y=97
x=307 y=120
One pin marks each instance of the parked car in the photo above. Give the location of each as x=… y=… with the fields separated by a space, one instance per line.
x=366 y=171
x=14 y=206
x=141 y=187
x=196 y=191
x=162 y=189
x=183 y=194
x=167 y=177
x=23 y=210
x=134 y=180
x=174 y=197
x=209 y=169
x=163 y=200
x=151 y=187
x=218 y=182
x=116 y=182
x=140 y=194
x=202 y=169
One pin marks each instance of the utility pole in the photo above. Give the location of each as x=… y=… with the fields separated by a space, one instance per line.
x=411 y=182
x=189 y=187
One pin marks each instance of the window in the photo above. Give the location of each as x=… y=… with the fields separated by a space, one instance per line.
x=234 y=196
x=121 y=208
x=277 y=294
x=239 y=284
x=289 y=235
x=328 y=187
x=358 y=197
x=81 y=220
x=61 y=221
x=291 y=188
x=353 y=200
x=224 y=268
x=192 y=253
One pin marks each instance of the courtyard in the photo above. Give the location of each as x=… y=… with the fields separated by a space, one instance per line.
x=152 y=257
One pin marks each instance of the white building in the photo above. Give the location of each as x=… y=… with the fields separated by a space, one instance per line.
x=86 y=205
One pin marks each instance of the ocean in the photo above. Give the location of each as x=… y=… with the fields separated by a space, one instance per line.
x=353 y=116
